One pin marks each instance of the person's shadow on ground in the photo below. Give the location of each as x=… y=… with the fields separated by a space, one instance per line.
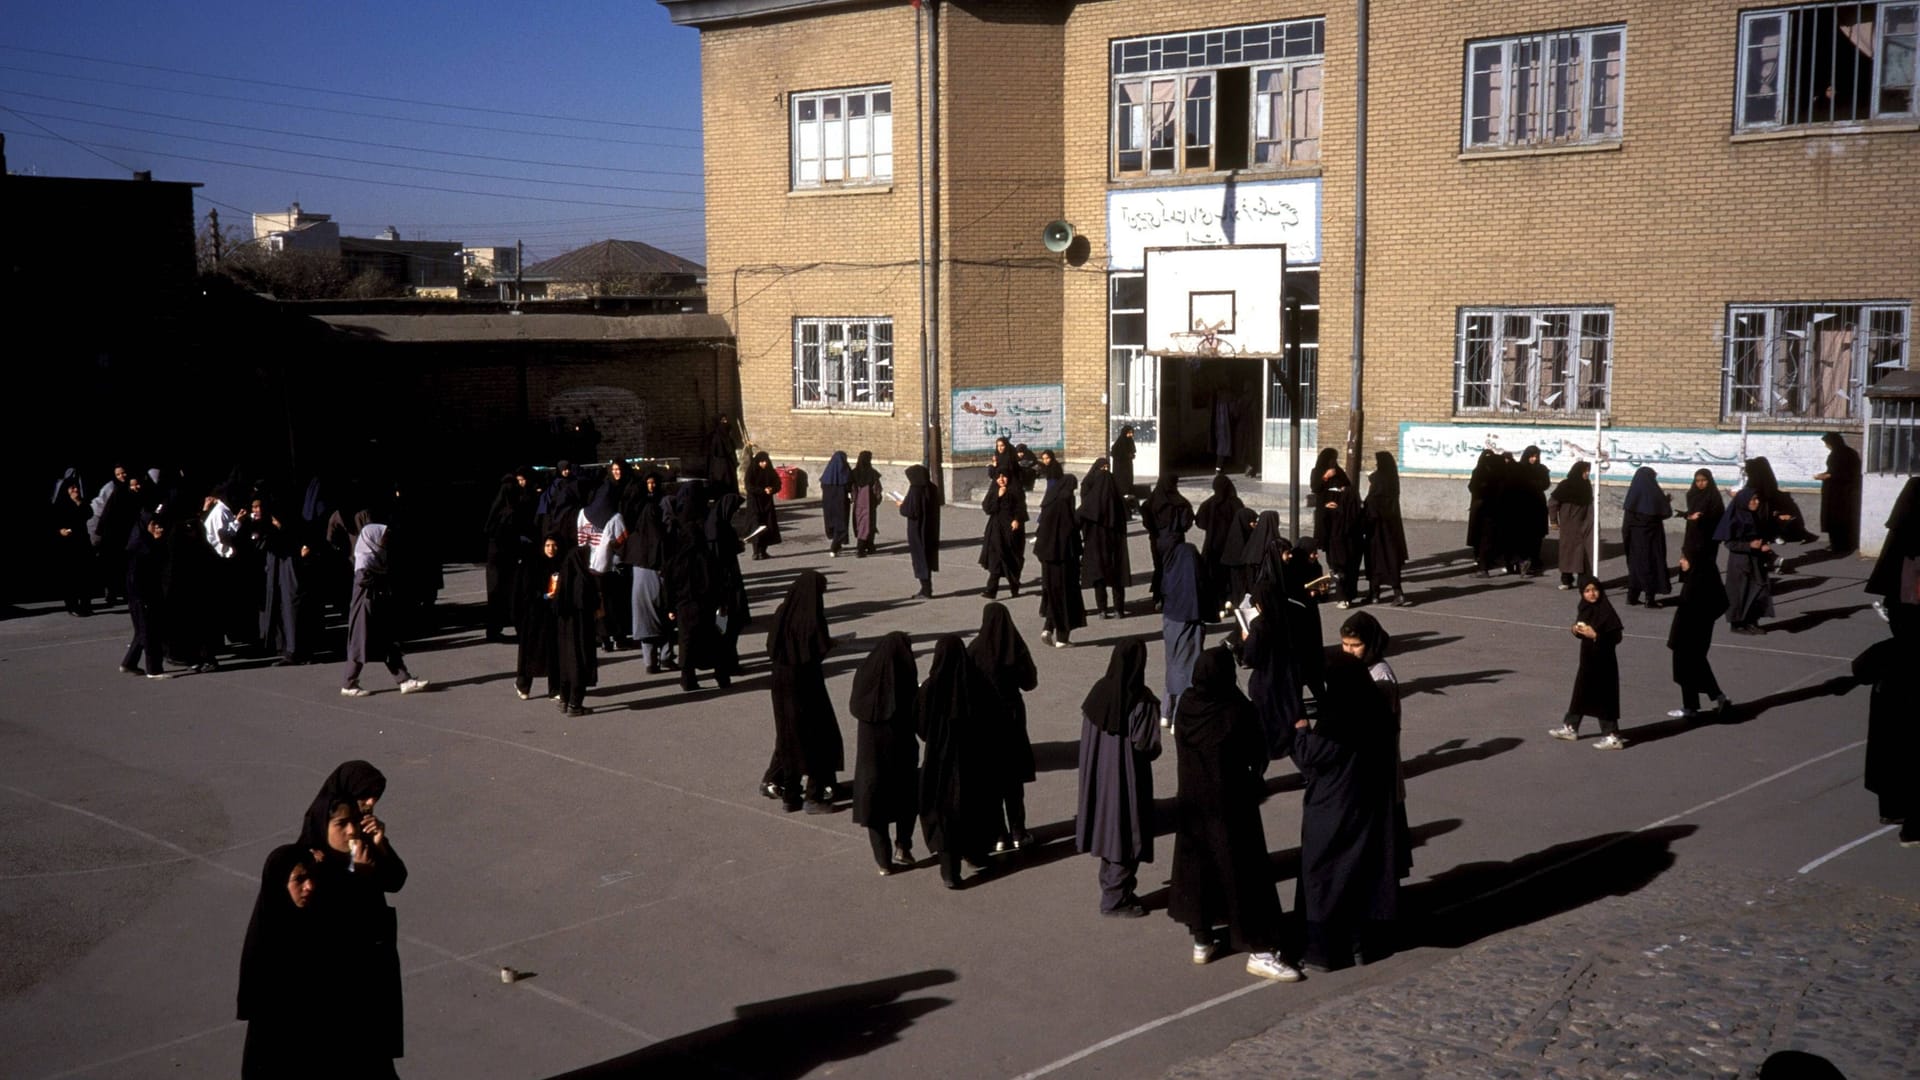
x=785 y=1037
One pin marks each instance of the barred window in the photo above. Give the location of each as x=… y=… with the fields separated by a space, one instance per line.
x=1545 y=89
x=1539 y=360
x=843 y=137
x=1217 y=100
x=1814 y=64
x=843 y=363
x=1810 y=361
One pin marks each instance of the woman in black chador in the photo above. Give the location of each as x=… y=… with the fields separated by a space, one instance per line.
x=886 y=760
x=1482 y=488
x=282 y=989
x=957 y=713
x=806 y=734
x=1003 y=549
x=1747 y=531
x=1840 y=495
x=1219 y=517
x=1703 y=599
x=1571 y=512
x=1339 y=524
x=537 y=631
x=510 y=530
x=1386 y=532
x=1006 y=460
x=1530 y=481
x=1596 y=684
x=863 y=503
x=73 y=552
x=1119 y=738
x=762 y=484
x=921 y=508
x=697 y=588
x=1002 y=656
x=576 y=607
x=1122 y=453
x=1220 y=868
x=1267 y=650
x=1057 y=545
x=834 y=481
x=149 y=566
x=1103 y=525
x=723 y=462
x=1644 y=533
x=1349 y=884
x=1704 y=507
x=1167 y=516
x=645 y=555
x=1893 y=739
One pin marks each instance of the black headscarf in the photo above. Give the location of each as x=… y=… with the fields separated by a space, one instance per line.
x=1485 y=471
x=1100 y=498
x=357 y=780
x=313 y=828
x=602 y=508
x=1598 y=614
x=1353 y=712
x=1740 y=523
x=1180 y=578
x=1385 y=484
x=799 y=633
x=1576 y=489
x=1124 y=687
x=1052 y=538
x=1367 y=630
x=836 y=473
x=1902 y=543
x=886 y=681
x=1760 y=477
x=999 y=650
x=1329 y=459
x=1702 y=594
x=1705 y=501
x=282 y=949
x=863 y=471
x=1166 y=497
x=1211 y=704
x=1253 y=547
x=1644 y=495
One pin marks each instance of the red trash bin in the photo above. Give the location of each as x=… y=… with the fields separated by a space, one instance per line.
x=790 y=479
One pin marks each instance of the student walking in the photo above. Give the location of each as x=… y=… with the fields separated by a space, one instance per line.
x=1596 y=684
x=1703 y=599
x=886 y=762
x=1119 y=740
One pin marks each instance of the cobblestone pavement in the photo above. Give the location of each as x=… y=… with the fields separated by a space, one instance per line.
x=1705 y=972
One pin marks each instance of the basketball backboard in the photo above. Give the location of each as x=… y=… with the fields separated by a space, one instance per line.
x=1215 y=301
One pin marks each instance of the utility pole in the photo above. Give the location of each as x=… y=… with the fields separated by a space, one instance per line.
x=1356 y=415
x=213 y=226
x=519 y=265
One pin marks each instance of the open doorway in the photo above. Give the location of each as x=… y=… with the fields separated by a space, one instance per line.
x=1211 y=412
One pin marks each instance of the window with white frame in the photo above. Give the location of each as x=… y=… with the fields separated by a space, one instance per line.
x=843 y=363
x=842 y=138
x=1540 y=360
x=1826 y=64
x=1135 y=376
x=1216 y=100
x=1810 y=361
x=1555 y=89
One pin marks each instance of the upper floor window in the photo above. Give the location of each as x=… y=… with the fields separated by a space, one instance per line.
x=1826 y=64
x=843 y=137
x=1810 y=361
x=1533 y=360
x=1545 y=89
x=1216 y=100
x=843 y=363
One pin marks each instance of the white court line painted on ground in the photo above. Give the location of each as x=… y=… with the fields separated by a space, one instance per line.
x=1109 y=1043
x=1717 y=645
x=1844 y=848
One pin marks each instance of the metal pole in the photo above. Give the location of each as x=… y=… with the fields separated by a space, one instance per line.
x=1356 y=416
x=1599 y=469
x=920 y=144
x=933 y=234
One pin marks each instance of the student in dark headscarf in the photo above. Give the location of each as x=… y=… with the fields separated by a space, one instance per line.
x=1219 y=518
x=1893 y=574
x=1482 y=486
x=370 y=629
x=1048 y=470
x=1183 y=622
x=559 y=505
x=537 y=633
x=1349 y=883
x=1745 y=529
x=1167 y=516
x=1703 y=599
x=118 y=514
x=1121 y=455
x=1339 y=524
x=1220 y=868
x=921 y=508
x=864 y=495
x=1645 y=537
x=645 y=556
x=1327 y=475
x=1570 y=510
x=355 y=867
x=281 y=992
x=616 y=576
x=1704 y=507
x=509 y=532
x=147 y=562
x=1103 y=525
x=1056 y=543
x=290 y=622
x=957 y=713
x=1301 y=567
x=1248 y=550
x=886 y=753
x=1224 y=417
x=1893 y=739
x=1386 y=532
x=834 y=481
x=695 y=590
x=729 y=585
x=1119 y=739
x=1785 y=522
x=1363 y=638
x=1840 y=495
x=806 y=734
x=73 y=552
x=722 y=461
x=576 y=607
x=1005 y=460
x=1273 y=681
x=1531 y=479
x=1004 y=661
x=1003 y=548
x=1596 y=684
x=762 y=484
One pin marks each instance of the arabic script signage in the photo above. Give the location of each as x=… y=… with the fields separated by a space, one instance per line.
x=1673 y=454
x=1035 y=415
x=1267 y=212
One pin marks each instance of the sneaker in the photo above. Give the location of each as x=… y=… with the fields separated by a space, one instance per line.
x=413 y=686
x=1681 y=714
x=1046 y=636
x=1564 y=731
x=902 y=855
x=129 y=669
x=1723 y=703
x=770 y=789
x=158 y=675
x=355 y=691
x=1343 y=605
x=519 y=693
x=1022 y=839
x=1130 y=909
x=1564 y=587
x=1060 y=643
x=1610 y=742
x=1002 y=845
x=1271 y=966
x=1204 y=954
x=1166 y=723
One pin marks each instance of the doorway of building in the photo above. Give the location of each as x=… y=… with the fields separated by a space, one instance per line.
x=1208 y=405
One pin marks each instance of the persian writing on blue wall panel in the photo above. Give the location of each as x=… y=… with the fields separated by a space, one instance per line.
x=1672 y=454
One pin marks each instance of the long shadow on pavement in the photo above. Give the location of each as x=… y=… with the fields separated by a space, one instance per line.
x=1807 y=620
x=789 y=1037
x=1456 y=752
x=1741 y=712
x=1438 y=684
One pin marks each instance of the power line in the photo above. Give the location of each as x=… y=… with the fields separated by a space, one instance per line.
x=351 y=142
x=56 y=135
x=367 y=180
x=490 y=129
x=350 y=160
x=349 y=93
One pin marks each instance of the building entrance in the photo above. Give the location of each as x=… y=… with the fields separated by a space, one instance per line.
x=1212 y=414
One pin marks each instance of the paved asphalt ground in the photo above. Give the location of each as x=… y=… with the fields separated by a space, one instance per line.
x=674 y=922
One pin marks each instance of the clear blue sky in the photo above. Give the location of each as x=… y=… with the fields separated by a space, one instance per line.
x=608 y=92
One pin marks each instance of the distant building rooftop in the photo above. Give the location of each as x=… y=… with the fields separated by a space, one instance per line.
x=532 y=327
x=611 y=257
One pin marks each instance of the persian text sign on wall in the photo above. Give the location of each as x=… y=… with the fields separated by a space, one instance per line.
x=1672 y=454
x=1265 y=212
x=1034 y=415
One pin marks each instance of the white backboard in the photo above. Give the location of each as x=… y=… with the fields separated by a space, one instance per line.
x=1215 y=301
